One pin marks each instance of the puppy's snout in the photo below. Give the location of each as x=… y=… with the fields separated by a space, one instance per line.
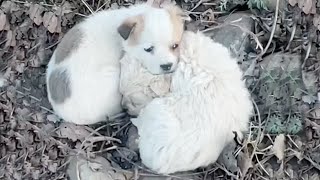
x=166 y=67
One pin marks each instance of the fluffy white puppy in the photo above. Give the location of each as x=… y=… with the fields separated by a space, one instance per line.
x=83 y=73
x=208 y=101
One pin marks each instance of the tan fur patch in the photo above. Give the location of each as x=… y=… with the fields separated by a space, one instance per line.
x=69 y=43
x=138 y=28
x=177 y=23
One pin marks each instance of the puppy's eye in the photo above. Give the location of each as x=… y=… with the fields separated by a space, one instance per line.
x=150 y=49
x=175 y=46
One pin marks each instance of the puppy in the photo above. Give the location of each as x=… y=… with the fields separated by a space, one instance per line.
x=138 y=86
x=189 y=127
x=83 y=73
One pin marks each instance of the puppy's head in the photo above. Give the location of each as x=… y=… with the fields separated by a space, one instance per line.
x=153 y=38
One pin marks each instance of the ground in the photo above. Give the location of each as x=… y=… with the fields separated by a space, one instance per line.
x=277 y=47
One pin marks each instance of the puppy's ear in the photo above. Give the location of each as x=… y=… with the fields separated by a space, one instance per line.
x=126 y=28
x=131 y=27
x=154 y=3
x=175 y=10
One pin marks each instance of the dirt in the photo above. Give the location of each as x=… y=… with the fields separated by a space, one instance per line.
x=283 y=76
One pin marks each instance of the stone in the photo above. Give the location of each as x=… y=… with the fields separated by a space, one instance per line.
x=132 y=141
x=227 y=157
x=234 y=37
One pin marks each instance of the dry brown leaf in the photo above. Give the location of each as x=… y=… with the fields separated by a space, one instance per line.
x=293 y=2
x=64 y=9
x=98 y=169
x=9 y=6
x=279 y=174
x=20 y=67
x=316 y=21
x=305 y=5
x=3 y=81
x=313 y=7
x=38 y=117
x=244 y=162
x=309 y=80
x=3 y=21
x=22 y=112
x=11 y=40
x=53 y=167
x=315 y=176
x=35 y=12
x=72 y=131
x=51 y=22
x=279 y=146
x=315 y=113
x=53 y=118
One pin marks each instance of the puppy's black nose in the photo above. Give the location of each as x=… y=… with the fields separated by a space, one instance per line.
x=166 y=67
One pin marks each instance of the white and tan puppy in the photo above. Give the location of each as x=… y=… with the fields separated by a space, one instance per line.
x=83 y=73
x=207 y=102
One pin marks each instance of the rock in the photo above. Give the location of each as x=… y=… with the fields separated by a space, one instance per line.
x=227 y=157
x=132 y=141
x=233 y=37
x=97 y=169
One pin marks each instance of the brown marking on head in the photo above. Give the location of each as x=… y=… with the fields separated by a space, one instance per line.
x=131 y=29
x=177 y=17
x=69 y=43
x=59 y=86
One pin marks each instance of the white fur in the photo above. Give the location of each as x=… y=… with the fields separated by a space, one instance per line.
x=138 y=86
x=94 y=67
x=190 y=127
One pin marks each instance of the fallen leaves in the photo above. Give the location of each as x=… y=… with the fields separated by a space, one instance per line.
x=307 y=6
x=244 y=162
x=72 y=131
x=316 y=21
x=9 y=7
x=4 y=23
x=35 y=12
x=279 y=146
x=293 y=2
x=3 y=82
x=10 y=40
x=51 y=22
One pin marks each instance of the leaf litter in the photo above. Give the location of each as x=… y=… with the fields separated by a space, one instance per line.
x=36 y=144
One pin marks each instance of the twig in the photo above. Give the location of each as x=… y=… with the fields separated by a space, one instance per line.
x=292 y=36
x=88 y=7
x=196 y=6
x=96 y=139
x=102 y=5
x=226 y=171
x=261 y=165
x=274 y=25
x=259 y=130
